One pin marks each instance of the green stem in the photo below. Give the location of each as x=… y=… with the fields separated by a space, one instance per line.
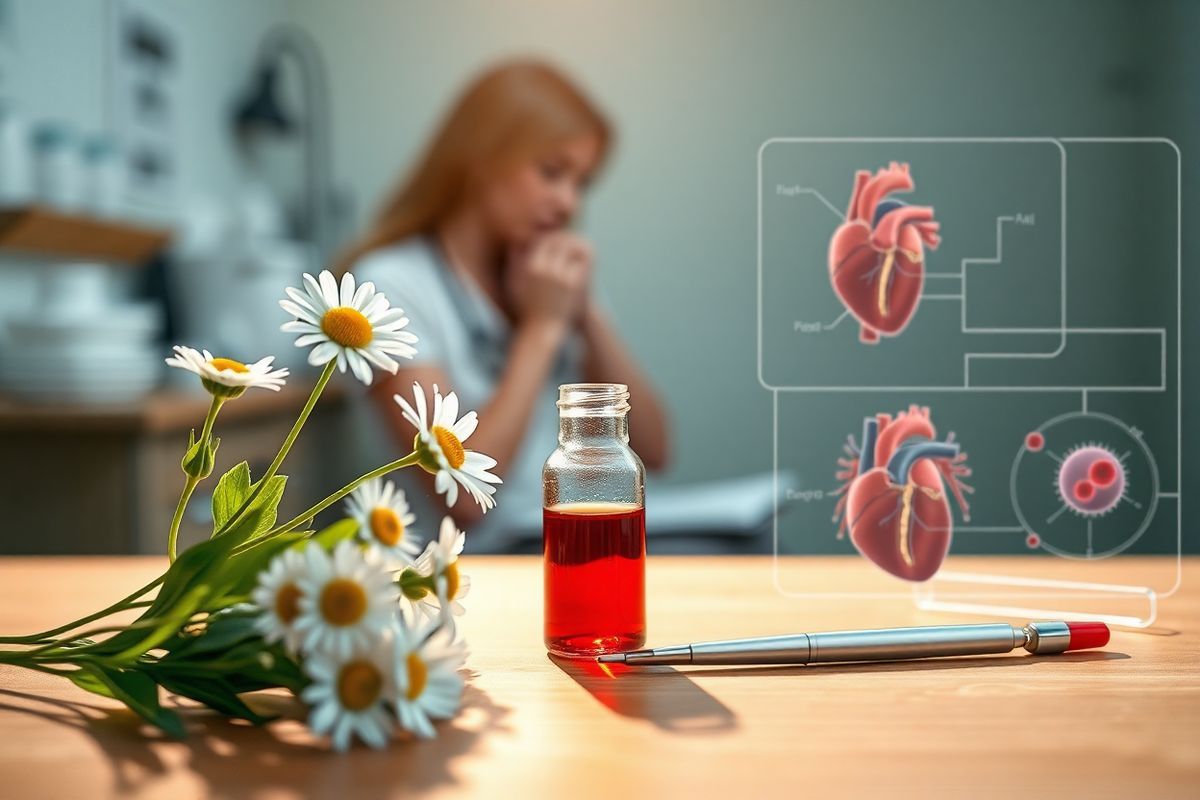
x=392 y=466
x=296 y=521
x=326 y=374
x=211 y=417
x=189 y=486
x=120 y=605
x=46 y=650
x=206 y=669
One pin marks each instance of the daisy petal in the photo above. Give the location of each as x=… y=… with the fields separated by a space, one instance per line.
x=445 y=485
x=316 y=294
x=323 y=353
x=329 y=288
x=419 y=396
x=449 y=410
x=309 y=339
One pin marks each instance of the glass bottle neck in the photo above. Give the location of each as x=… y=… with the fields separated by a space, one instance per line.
x=592 y=414
x=593 y=431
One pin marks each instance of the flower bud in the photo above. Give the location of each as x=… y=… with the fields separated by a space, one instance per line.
x=200 y=457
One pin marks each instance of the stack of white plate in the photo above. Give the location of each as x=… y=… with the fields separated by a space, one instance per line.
x=81 y=348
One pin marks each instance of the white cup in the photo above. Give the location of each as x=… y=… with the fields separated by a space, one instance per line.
x=57 y=167
x=16 y=175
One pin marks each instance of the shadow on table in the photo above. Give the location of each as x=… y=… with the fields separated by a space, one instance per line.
x=661 y=695
x=1154 y=630
x=922 y=665
x=234 y=758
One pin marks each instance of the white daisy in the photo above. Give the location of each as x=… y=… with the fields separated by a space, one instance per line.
x=356 y=326
x=225 y=377
x=350 y=695
x=384 y=519
x=440 y=560
x=428 y=684
x=347 y=599
x=277 y=597
x=439 y=446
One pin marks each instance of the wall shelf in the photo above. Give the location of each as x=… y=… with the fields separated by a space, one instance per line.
x=45 y=232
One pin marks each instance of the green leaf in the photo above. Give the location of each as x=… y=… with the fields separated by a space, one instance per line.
x=135 y=689
x=167 y=625
x=86 y=679
x=273 y=667
x=239 y=575
x=261 y=515
x=343 y=529
x=205 y=577
x=258 y=518
x=223 y=630
x=217 y=694
x=232 y=490
x=245 y=664
x=194 y=569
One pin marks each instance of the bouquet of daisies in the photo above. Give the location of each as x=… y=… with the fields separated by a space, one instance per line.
x=355 y=619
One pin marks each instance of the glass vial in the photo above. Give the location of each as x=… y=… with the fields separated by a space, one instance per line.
x=594 y=526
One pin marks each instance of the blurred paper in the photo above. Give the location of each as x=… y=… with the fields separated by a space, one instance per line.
x=739 y=506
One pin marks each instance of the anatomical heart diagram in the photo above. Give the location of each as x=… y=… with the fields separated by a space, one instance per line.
x=893 y=499
x=877 y=257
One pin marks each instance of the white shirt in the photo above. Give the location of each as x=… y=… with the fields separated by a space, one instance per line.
x=462 y=332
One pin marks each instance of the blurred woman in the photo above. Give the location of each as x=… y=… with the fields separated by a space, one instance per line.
x=476 y=246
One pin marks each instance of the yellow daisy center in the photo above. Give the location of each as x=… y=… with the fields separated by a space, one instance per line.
x=417 y=676
x=229 y=363
x=452 y=448
x=359 y=685
x=287 y=603
x=386 y=526
x=343 y=602
x=347 y=327
x=452 y=580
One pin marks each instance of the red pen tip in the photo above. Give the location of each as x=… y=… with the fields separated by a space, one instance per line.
x=1086 y=635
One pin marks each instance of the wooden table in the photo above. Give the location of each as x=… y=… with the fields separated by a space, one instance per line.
x=1121 y=723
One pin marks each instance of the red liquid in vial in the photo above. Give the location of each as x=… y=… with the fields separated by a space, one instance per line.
x=595 y=562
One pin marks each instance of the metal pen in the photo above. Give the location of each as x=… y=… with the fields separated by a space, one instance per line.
x=886 y=644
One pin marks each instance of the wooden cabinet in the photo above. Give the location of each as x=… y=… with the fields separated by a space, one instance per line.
x=106 y=480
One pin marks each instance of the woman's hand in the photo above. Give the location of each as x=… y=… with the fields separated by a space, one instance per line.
x=549 y=280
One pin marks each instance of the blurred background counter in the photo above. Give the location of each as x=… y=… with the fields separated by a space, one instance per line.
x=105 y=479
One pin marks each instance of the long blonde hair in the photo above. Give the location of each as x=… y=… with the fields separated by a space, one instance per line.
x=511 y=112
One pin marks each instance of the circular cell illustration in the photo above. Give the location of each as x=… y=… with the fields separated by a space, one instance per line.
x=1091 y=480
x=1084 y=485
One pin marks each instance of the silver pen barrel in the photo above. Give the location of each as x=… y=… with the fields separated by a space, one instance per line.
x=898 y=644
x=887 y=644
x=890 y=644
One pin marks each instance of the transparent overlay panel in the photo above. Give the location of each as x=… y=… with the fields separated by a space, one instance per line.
x=997 y=319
